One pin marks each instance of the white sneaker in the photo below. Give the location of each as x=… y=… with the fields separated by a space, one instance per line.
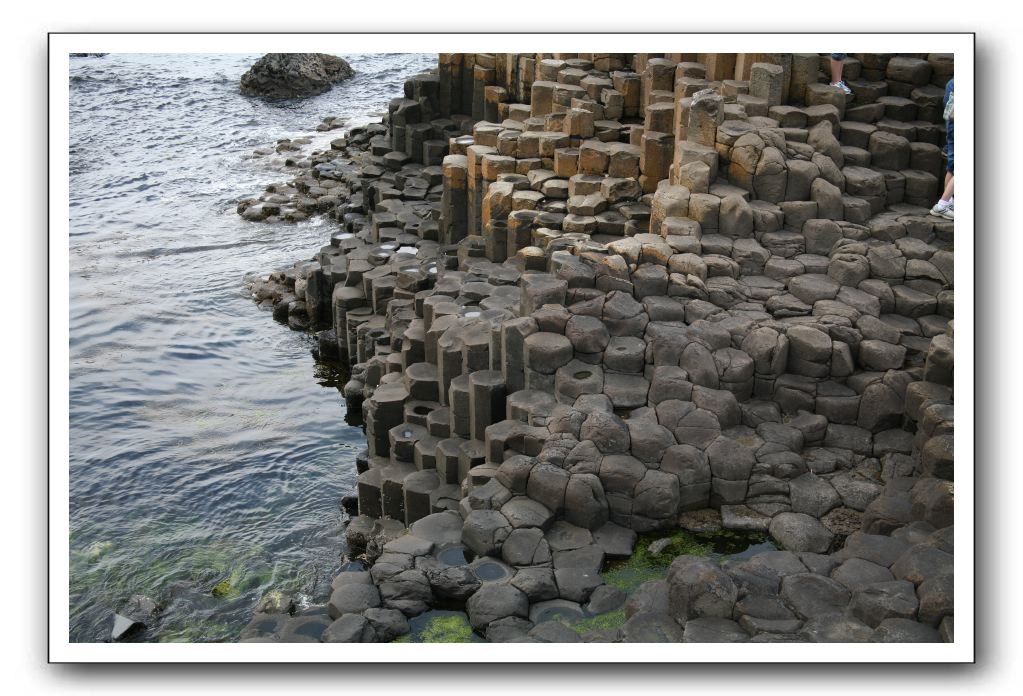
x=842 y=86
x=941 y=207
x=948 y=213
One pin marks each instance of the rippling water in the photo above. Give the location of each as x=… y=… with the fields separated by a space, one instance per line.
x=206 y=444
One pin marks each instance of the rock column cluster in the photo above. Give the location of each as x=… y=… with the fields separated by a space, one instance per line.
x=586 y=295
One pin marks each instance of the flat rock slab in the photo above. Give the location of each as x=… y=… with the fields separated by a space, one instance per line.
x=353 y=598
x=648 y=627
x=904 y=631
x=563 y=536
x=711 y=629
x=812 y=595
x=350 y=628
x=799 y=532
x=742 y=518
x=835 y=628
x=441 y=528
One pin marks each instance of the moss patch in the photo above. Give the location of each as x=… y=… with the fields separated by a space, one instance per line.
x=643 y=566
x=601 y=622
x=447 y=629
x=439 y=626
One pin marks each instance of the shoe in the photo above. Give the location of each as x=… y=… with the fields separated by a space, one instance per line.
x=948 y=213
x=842 y=86
x=940 y=207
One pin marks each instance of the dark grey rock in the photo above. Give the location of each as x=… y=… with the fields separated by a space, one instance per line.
x=937 y=599
x=456 y=582
x=408 y=592
x=699 y=587
x=290 y=75
x=442 y=528
x=387 y=624
x=904 y=631
x=712 y=629
x=350 y=628
x=872 y=604
x=576 y=584
x=352 y=598
x=522 y=512
x=651 y=596
x=496 y=601
x=835 y=628
x=604 y=599
x=526 y=547
x=857 y=491
x=812 y=595
x=616 y=541
x=857 y=573
x=876 y=548
x=730 y=460
x=813 y=495
x=538 y=584
x=648 y=627
x=484 y=532
x=554 y=632
x=922 y=562
x=508 y=629
x=798 y=532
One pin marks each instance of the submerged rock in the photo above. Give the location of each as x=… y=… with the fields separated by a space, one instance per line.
x=289 y=75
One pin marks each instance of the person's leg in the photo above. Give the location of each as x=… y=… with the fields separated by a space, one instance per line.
x=836 y=71
x=944 y=206
x=949 y=188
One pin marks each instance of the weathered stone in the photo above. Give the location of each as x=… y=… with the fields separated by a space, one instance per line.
x=697 y=588
x=873 y=603
x=350 y=628
x=811 y=595
x=352 y=598
x=799 y=532
x=496 y=601
x=646 y=627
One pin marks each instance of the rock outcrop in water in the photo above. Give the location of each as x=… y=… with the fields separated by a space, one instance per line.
x=591 y=296
x=290 y=75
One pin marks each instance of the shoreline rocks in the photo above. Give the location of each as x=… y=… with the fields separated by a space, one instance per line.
x=566 y=328
x=290 y=75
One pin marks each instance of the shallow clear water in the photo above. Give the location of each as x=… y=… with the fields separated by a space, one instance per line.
x=206 y=444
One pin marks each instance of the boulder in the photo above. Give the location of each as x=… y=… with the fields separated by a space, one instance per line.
x=291 y=75
x=796 y=531
x=699 y=587
x=493 y=602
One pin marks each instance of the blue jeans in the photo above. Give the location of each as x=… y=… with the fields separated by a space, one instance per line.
x=839 y=56
x=949 y=125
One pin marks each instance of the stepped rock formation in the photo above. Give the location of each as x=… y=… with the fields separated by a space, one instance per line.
x=290 y=75
x=585 y=296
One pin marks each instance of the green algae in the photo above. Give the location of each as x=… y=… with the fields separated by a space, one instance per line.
x=447 y=629
x=439 y=626
x=642 y=566
x=600 y=622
